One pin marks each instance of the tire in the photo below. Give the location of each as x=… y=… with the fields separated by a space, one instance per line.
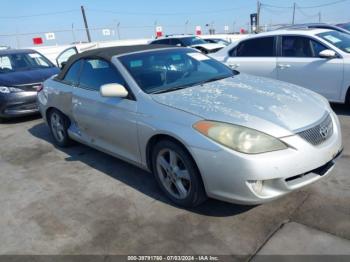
x=177 y=174
x=59 y=125
x=347 y=99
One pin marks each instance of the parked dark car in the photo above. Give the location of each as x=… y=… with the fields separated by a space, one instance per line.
x=21 y=73
x=317 y=25
x=217 y=41
x=188 y=41
x=345 y=26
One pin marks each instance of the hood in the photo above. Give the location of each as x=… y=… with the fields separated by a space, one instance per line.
x=271 y=106
x=27 y=77
x=209 y=46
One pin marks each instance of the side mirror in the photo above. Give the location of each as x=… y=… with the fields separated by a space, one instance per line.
x=113 y=90
x=329 y=54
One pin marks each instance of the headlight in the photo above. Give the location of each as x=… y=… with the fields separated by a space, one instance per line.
x=239 y=138
x=7 y=90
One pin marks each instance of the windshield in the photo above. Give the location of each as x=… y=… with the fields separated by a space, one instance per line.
x=171 y=69
x=188 y=41
x=10 y=63
x=338 y=39
x=218 y=41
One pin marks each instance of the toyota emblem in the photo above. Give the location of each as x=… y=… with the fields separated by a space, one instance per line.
x=324 y=131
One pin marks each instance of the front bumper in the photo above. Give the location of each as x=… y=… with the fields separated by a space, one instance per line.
x=18 y=104
x=228 y=175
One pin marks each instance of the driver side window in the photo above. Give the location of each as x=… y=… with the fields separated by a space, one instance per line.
x=98 y=72
x=298 y=46
x=72 y=75
x=317 y=48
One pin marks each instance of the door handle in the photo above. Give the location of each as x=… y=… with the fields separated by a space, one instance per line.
x=233 y=66
x=283 y=66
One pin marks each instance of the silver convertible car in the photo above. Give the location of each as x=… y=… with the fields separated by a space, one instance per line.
x=202 y=129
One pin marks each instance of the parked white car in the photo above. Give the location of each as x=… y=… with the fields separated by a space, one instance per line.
x=61 y=53
x=317 y=59
x=189 y=41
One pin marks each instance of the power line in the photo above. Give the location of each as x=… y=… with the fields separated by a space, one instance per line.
x=323 y=5
x=276 y=6
x=305 y=7
x=274 y=11
x=165 y=14
x=305 y=14
x=36 y=15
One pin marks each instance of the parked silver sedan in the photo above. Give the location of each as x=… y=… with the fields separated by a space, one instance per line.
x=201 y=128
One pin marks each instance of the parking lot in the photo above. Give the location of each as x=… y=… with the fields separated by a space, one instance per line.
x=82 y=201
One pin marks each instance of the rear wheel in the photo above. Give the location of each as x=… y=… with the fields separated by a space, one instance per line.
x=59 y=125
x=177 y=174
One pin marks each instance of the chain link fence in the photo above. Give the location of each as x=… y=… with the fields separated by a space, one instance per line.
x=103 y=33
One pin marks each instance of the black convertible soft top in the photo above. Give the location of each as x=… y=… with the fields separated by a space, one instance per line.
x=107 y=53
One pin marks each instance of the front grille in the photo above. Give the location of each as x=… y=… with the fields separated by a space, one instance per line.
x=319 y=133
x=22 y=106
x=28 y=87
x=322 y=170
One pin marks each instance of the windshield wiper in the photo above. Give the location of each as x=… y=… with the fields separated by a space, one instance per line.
x=189 y=85
x=212 y=80
x=169 y=90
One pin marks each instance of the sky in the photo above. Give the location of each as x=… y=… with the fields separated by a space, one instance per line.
x=21 y=20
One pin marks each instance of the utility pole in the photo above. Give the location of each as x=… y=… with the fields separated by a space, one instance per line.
x=117 y=25
x=73 y=34
x=86 y=24
x=294 y=7
x=319 y=17
x=17 y=37
x=186 y=27
x=155 y=27
x=118 y=31
x=258 y=16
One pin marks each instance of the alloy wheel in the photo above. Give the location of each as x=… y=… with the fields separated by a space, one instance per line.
x=57 y=126
x=173 y=173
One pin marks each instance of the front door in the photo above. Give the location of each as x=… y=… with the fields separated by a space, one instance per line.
x=107 y=122
x=301 y=64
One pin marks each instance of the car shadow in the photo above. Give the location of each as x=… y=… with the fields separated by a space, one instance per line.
x=341 y=109
x=18 y=120
x=133 y=176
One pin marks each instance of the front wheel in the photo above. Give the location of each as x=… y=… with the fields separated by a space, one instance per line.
x=177 y=174
x=59 y=128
